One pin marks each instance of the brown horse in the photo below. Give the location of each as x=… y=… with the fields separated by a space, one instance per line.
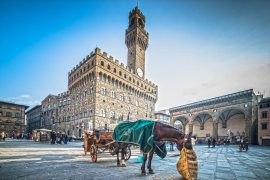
x=163 y=132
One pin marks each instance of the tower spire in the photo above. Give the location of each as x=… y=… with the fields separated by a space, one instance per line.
x=136 y=41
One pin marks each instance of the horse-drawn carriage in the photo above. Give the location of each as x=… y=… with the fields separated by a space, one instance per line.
x=98 y=142
x=149 y=136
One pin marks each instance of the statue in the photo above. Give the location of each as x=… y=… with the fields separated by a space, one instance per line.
x=229 y=133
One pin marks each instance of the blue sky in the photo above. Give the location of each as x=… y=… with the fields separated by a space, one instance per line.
x=198 y=49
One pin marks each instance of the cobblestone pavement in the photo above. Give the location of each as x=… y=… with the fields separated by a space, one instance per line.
x=29 y=160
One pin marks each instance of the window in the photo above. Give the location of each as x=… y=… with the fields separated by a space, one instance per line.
x=102 y=113
x=122 y=98
x=113 y=94
x=18 y=115
x=112 y=115
x=103 y=91
x=114 y=70
x=103 y=79
x=120 y=73
x=121 y=117
x=90 y=112
x=264 y=114
x=125 y=76
x=109 y=67
x=264 y=126
x=1 y=113
x=102 y=63
x=8 y=114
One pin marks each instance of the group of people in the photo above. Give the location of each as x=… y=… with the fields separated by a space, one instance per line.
x=14 y=135
x=211 y=141
x=58 y=138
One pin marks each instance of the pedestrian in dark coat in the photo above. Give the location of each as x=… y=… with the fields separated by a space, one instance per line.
x=209 y=142
x=66 y=139
x=213 y=142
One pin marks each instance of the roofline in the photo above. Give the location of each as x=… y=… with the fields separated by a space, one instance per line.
x=33 y=108
x=12 y=103
x=265 y=100
x=212 y=99
x=162 y=114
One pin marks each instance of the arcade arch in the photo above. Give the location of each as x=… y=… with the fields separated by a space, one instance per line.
x=233 y=119
x=181 y=123
x=203 y=125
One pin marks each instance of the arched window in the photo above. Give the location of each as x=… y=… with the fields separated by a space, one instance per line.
x=102 y=113
x=102 y=63
x=113 y=94
x=103 y=91
x=112 y=115
x=120 y=73
x=108 y=67
x=114 y=70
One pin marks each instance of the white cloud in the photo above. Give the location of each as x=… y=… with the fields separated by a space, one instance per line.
x=25 y=99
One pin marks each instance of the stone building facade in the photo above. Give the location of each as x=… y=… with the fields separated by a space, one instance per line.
x=33 y=118
x=49 y=112
x=264 y=122
x=163 y=116
x=12 y=118
x=103 y=91
x=230 y=115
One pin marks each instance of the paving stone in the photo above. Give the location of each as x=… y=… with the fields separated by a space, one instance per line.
x=28 y=160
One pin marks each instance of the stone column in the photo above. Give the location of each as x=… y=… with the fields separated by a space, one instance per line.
x=248 y=128
x=190 y=128
x=215 y=129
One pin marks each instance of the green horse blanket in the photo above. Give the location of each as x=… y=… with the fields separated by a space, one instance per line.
x=141 y=133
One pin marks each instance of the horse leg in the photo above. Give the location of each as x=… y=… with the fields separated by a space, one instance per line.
x=143 y=164
x=123 y=163
x=151 y=153
x=117 y=153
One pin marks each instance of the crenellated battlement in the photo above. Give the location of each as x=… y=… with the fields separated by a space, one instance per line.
x=115 y=62
x=96 y=51
x=123 y=67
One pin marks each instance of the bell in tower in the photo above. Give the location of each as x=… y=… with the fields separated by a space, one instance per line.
x=136 y=41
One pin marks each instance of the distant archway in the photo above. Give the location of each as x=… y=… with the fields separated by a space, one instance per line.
x=232 y=119
x=203 y=125
x=181 y=124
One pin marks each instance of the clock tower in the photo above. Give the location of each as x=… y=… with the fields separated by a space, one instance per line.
x=136 y=41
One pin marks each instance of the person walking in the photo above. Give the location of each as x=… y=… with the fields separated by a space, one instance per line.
x=193 y=141
x=213 y=142
x=209 y=142
x=66 y=139
x=171 y=146
x=3 y=136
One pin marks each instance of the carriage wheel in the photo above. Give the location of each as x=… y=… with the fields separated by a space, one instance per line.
x=128 y=153
x=93 y=153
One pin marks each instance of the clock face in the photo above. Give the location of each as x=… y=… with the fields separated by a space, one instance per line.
x=140 y=72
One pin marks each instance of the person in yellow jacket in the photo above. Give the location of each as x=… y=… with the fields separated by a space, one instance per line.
x=187 y=164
